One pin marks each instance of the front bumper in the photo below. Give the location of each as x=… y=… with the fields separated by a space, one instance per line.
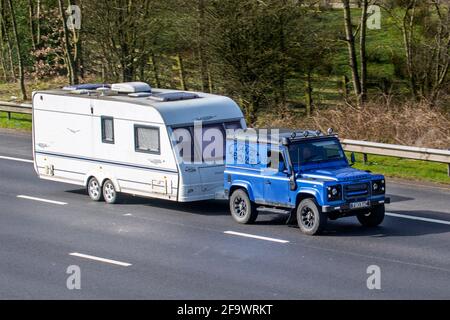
x=346 y=206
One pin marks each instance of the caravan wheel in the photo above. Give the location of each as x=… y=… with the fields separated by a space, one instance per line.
x=94 y=189
x=109 y=192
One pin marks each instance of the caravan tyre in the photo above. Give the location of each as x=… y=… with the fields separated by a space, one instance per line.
x=94 y=189
x=109 y=192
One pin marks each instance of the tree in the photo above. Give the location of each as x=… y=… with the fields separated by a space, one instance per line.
x=19 y=51
x=350 y=39
x=70 y=60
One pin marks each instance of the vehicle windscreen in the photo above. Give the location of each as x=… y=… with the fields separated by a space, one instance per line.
x=315 y=151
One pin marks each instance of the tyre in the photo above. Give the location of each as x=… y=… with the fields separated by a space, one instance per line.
x=241 y=208
x=373 y=217
x=94 y=189
x=310 y=218
x=109 y=192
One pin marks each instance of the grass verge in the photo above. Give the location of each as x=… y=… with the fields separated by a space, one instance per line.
x=17 y=121
x=405 y=168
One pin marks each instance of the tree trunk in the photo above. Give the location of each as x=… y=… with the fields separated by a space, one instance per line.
x=9 y=50
x=2 y=47
x=38 y=23
x=181 y=72
x=73 y=79
x=202 y=45
x=308 y=96
x=351 y=50
x=407 y=30
x=19 y=52
x=78 y=50
x=362 y=50
x=31 y=16
x=155 y=70
x=283 y=52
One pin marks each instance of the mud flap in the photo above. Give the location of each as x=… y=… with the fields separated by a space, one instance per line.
x=292 y=219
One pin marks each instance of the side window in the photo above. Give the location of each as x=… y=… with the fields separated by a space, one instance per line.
x=107 y=129
x=279 y=164
x=146 y=139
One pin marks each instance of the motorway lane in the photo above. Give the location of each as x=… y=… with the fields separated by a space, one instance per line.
x=180 y=250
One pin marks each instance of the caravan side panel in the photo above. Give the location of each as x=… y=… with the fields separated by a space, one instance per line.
x=69 y=146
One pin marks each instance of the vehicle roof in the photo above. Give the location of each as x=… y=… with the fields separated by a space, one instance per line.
x=279 y=135
x=207 y=107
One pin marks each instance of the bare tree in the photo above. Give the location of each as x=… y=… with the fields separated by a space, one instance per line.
x=350 y=39
x=71 y=69
x=31 y=21
x=362 y=49
x=19 y=51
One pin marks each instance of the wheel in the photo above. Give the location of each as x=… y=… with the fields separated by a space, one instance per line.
x=109 y=192
x=373 y=217
x=310 y=217
x=94 y=189
x=241 y=208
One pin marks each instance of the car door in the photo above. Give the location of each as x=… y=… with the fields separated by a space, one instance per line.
x=276 y=181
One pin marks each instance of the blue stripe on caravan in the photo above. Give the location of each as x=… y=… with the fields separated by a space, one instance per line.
x=106 y=162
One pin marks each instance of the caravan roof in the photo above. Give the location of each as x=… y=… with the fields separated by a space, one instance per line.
x=175 y=107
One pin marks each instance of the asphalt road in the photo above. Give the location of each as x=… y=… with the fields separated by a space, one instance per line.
x=166 y=250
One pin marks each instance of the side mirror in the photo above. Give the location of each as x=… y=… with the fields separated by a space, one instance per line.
x=352 y=159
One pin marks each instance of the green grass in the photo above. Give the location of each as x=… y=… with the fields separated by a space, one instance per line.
x=17 y=121
x=404 y=168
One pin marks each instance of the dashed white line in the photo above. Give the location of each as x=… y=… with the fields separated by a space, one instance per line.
x=42 y=200
x=255 y=236
x=16 y=159
x=86 y=256
x=396 y=215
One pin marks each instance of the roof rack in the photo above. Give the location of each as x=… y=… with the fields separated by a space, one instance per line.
x=86 y=86
x=284 y=136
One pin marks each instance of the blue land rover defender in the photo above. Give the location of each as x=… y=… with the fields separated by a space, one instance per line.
x=303 y=173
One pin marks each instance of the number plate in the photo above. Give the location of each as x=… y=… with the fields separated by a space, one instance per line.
x=360 y=205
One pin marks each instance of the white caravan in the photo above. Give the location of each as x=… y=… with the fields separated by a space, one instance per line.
x=119 y=139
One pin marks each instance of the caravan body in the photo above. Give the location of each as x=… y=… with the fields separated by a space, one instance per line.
x=125 y=135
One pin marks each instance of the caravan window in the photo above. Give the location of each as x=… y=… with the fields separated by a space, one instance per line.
x=208 y=137
x=107 y=129
x=146 y=139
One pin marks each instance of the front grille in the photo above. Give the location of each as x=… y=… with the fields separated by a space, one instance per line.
x=355 y=191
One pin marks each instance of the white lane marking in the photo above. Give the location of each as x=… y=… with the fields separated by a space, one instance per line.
x=396 y=215
x=16 y=159
x=42 y=200
x=86 y=256
x=255 y=237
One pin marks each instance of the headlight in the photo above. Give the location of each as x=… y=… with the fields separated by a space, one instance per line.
x=334 y=193
x=378 y=186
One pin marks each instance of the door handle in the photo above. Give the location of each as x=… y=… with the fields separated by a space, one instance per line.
x=268 y=182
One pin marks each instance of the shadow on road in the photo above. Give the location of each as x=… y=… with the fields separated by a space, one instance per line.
x=396 y=198
x=399 y=227
x=347 y=227
x=208 y=207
